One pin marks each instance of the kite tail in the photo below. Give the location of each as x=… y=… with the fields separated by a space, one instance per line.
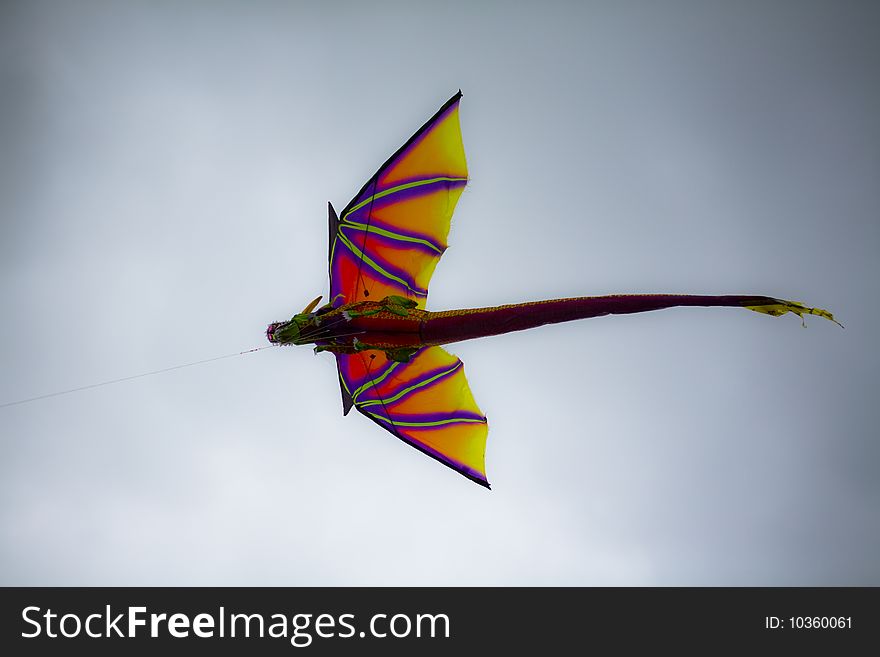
x=454 y=325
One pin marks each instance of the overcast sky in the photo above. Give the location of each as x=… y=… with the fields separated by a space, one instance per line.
x=164 y=174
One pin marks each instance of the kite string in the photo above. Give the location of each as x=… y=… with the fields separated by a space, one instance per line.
x=129 y=378
x=359 y=280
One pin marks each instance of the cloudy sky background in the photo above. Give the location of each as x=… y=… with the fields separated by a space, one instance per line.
x=164 y=174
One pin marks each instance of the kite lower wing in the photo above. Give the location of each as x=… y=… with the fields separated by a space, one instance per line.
x=426 y=402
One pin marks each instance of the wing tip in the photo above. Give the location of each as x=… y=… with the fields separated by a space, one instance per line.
x=372 y=180
x=449 y=103
x=466 y=472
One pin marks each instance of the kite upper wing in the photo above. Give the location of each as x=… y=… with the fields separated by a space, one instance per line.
x=425 y=402
x=391 y=235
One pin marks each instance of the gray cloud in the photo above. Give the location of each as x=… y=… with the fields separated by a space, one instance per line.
x=164 y=178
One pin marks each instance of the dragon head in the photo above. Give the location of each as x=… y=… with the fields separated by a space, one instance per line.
x=293 y=330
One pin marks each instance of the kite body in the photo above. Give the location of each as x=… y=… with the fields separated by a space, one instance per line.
x=384 y=247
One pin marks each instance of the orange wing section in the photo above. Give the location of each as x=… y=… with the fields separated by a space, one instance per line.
x=440 y=145
x=426 y=402
x=391 y=235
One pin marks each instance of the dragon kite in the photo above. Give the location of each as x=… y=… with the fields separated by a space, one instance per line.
x=384 y=247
